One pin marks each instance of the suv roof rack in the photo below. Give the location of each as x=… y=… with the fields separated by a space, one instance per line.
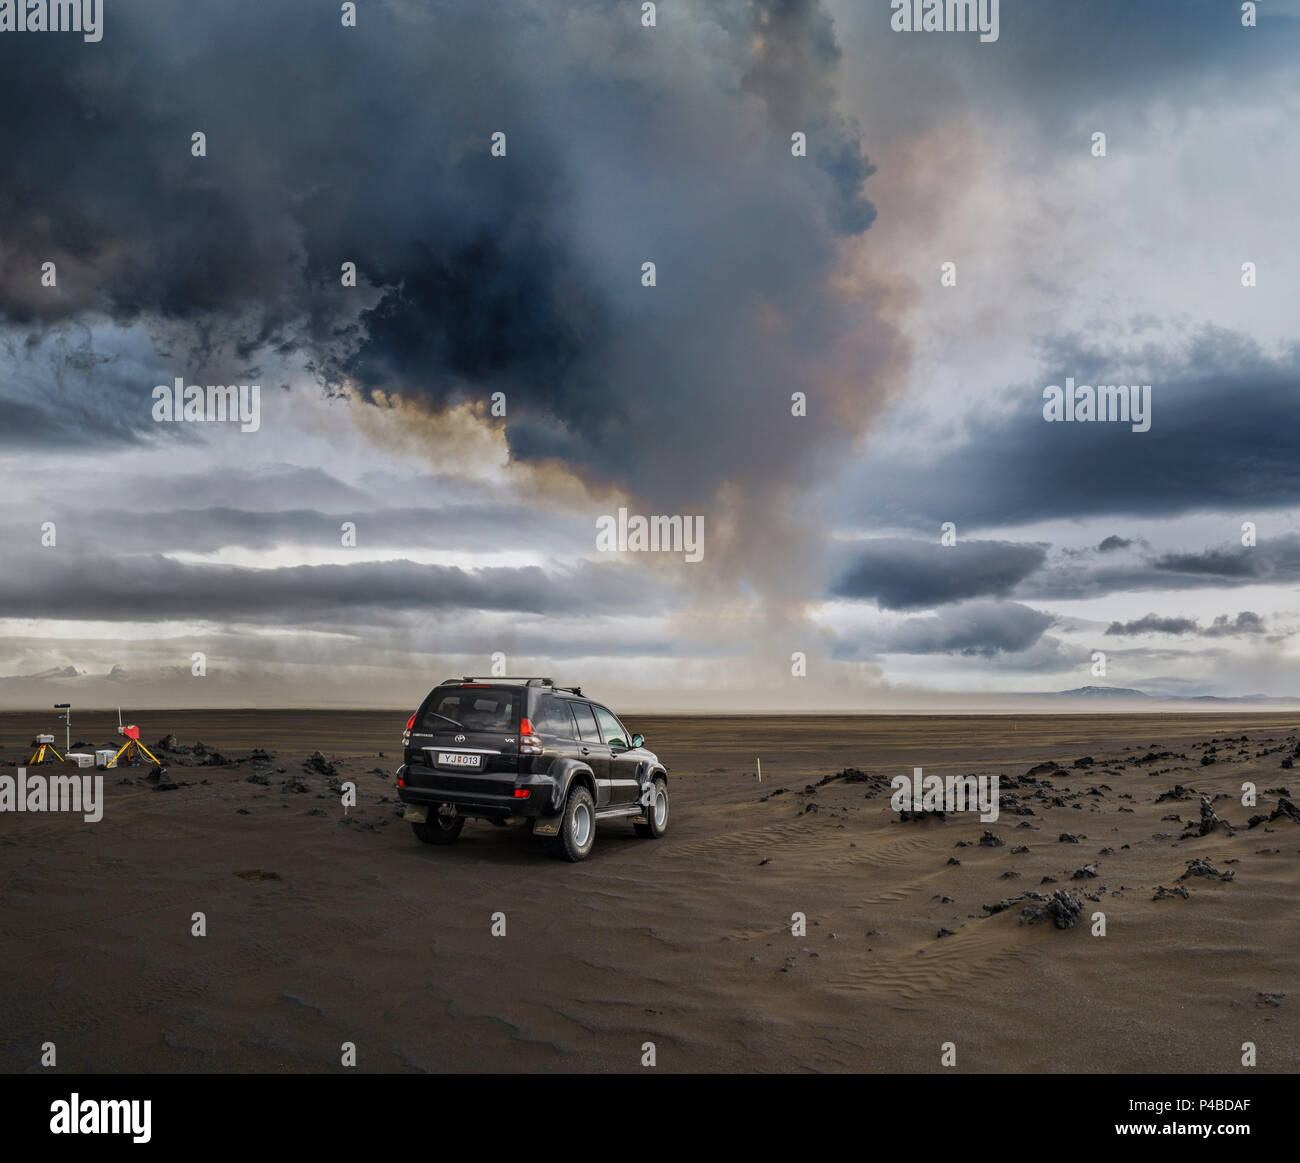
x=531 y=681
x=526 y=679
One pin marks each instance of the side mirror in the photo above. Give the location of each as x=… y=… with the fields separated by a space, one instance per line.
x=638 y=740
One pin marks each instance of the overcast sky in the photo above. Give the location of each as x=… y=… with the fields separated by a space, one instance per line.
x=1174 y=552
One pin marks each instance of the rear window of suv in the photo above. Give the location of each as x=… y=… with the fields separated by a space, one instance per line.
x=586 y=722
x=553 y=718
x=473 y=709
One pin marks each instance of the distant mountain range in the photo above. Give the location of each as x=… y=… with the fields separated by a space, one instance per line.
x=1100 y=693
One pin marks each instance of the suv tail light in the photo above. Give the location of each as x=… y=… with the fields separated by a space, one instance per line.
x=406 y=735
x=529 y=744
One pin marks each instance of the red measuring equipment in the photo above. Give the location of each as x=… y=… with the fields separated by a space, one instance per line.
x=132 y=747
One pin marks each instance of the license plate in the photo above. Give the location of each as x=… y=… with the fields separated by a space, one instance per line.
x=455 y=759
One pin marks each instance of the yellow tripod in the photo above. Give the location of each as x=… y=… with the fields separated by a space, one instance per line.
x=129 y=749
x=39 y=757
x=132 y=744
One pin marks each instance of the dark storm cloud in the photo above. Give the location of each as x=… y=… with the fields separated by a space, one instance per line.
x=903 y=574
x=1084 y=574
x=1228 y=564
x=1154 y=624
x=478 y=274
x=1221 y=438
x=73 y=386
x=1114 y=52
x=907 y=575
x=1223 y=626
x=1113 y=542
x=1062 y=64
x=977 y=628
x=60 y=585
x=27 y=425
x=795 y=56
x=1247 y=622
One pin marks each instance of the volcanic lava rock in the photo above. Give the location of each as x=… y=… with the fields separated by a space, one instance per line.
x=321 y=766
x=1062 y=909
x=1047 y=768
x=1202 y=867
x=1154 y=756
x=1208 y=822
x=1177 y=792
x=1285 y=810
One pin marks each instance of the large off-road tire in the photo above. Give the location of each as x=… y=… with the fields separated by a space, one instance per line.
x=439 y=829
x=657 y=813
x=577 y=831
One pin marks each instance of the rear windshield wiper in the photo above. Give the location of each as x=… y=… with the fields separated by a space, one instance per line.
x=445 y=719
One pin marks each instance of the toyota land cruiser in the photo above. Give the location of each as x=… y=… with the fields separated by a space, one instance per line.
x=513 y=750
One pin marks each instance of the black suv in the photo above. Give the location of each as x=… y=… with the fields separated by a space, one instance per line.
x=511 y=750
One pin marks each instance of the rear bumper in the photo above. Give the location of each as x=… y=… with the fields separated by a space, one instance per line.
x=494 y=799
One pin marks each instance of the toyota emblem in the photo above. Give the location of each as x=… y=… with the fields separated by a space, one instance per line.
x=460 y=738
